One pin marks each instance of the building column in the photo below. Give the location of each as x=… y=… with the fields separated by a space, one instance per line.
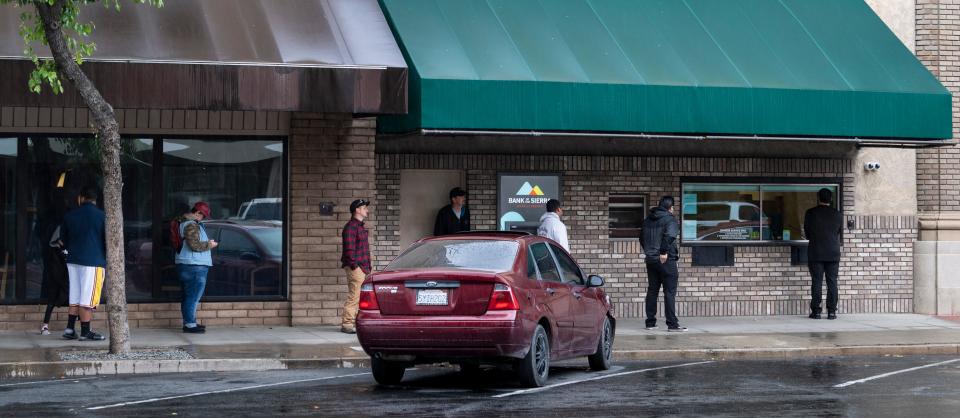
x=331 y=163
x=937 y=254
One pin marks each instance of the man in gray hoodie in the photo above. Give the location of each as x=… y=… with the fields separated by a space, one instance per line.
x=660 y=231
x=551 y=226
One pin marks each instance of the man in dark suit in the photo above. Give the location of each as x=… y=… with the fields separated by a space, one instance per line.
x=454 y=217
x=822 y=225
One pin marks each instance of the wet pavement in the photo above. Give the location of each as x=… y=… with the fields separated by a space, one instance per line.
x=927 y=386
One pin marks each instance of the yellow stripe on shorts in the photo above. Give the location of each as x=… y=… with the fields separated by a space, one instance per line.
x=97 y=287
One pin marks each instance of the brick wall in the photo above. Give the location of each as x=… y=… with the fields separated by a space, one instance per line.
x=331 y=160
x=877 y=269
x=938 y=169
x=157 y=315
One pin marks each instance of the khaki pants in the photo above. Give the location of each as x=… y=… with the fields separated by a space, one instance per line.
x=354 y=280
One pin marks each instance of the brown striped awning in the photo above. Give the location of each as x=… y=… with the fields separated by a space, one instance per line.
x=281 y=55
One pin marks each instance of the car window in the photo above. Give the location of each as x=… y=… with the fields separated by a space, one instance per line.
x=213 y=232
x=270 y=238
x=749 y=213
x=263 y=211
x=548 y=268
x=531 y=265
x=234 y=244
x=489 y=255
x=568 y=268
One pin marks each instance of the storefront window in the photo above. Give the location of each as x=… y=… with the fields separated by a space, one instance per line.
x=242 y=181
x=8 y=222
x=747 y=212
x=137 y=165
x=61 y=166
x=626 y=213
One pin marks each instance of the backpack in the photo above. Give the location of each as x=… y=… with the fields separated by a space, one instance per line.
x=176 y=241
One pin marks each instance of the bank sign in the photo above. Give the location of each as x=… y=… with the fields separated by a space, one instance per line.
x=522 y=199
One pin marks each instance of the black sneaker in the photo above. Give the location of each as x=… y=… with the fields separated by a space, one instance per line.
x=814 y=316
x=91 y=336
x=194 y=330
x=69 y=334
x=348 y=330
x=649 y=327
x=832 y=316
x=677 y=329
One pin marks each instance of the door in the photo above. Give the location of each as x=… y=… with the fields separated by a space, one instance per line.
x=422 y=194
x=556 y=296
x=586 y=305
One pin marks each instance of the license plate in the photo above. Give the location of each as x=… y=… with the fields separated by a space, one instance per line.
x=431 y=297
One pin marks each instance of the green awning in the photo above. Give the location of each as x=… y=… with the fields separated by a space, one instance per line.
x=819 y=68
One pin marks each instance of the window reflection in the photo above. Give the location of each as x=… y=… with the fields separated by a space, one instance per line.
x=786 y=205
x=59 y=167
x=8 y=211
x=242 y=181
x=747 y=212
x=721 y=212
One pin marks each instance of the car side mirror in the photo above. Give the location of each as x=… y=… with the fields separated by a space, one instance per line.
x=594 y=281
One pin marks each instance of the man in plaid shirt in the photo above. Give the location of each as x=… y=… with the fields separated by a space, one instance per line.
x=355 y=261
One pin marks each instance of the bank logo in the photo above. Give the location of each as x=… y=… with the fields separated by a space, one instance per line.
x=528 y=190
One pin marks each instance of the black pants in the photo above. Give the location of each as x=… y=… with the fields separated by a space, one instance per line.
x=817 y=271
x=665 y=275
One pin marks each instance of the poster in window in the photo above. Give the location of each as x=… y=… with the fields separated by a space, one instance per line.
x=522 y=199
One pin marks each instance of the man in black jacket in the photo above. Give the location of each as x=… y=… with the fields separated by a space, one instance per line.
x=822 y=225
x=454 y=217
x=660 y=250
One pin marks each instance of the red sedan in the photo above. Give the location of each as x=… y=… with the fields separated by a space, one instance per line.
x=481 y=298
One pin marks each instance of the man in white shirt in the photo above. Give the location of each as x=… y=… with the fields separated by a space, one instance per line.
x=551 y=226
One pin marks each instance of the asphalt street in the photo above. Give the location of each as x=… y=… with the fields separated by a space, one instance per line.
x=854 y=386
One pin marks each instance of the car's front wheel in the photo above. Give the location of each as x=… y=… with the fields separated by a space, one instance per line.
x=534 y=369
x=604 y=356
x=387 y=372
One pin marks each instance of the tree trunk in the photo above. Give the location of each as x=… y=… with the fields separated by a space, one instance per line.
x=107 y=129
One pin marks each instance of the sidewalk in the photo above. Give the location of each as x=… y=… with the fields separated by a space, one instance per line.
x=28 y=354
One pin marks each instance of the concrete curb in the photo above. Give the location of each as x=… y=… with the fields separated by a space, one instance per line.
x=58 y=369
x=69 y=369
x=788 y=353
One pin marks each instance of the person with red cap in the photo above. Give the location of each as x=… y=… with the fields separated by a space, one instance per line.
x=193 y=261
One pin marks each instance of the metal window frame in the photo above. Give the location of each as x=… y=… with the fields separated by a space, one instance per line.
x=644 y=206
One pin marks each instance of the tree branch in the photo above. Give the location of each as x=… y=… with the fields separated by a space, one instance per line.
x=51 y=15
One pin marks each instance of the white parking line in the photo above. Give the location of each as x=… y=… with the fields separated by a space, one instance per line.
x=880 y=376
x=47 y=381
x=267 y=385
x=541 y=389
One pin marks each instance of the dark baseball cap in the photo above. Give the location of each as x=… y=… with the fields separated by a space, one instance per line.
x=357 y=203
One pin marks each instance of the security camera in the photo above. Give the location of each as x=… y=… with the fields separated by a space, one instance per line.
x=872 y=166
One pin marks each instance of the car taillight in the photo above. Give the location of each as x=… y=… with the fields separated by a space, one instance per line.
x=502 y=299
x=368 y=299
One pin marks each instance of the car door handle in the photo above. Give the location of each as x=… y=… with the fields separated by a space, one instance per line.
x=551 y=291
x=578 y=295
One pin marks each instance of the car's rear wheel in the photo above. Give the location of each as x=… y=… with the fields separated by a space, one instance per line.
x=604 y=356
x=534 y=369
x=387 y=372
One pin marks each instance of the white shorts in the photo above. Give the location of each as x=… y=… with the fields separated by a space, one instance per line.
x=85 y=285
